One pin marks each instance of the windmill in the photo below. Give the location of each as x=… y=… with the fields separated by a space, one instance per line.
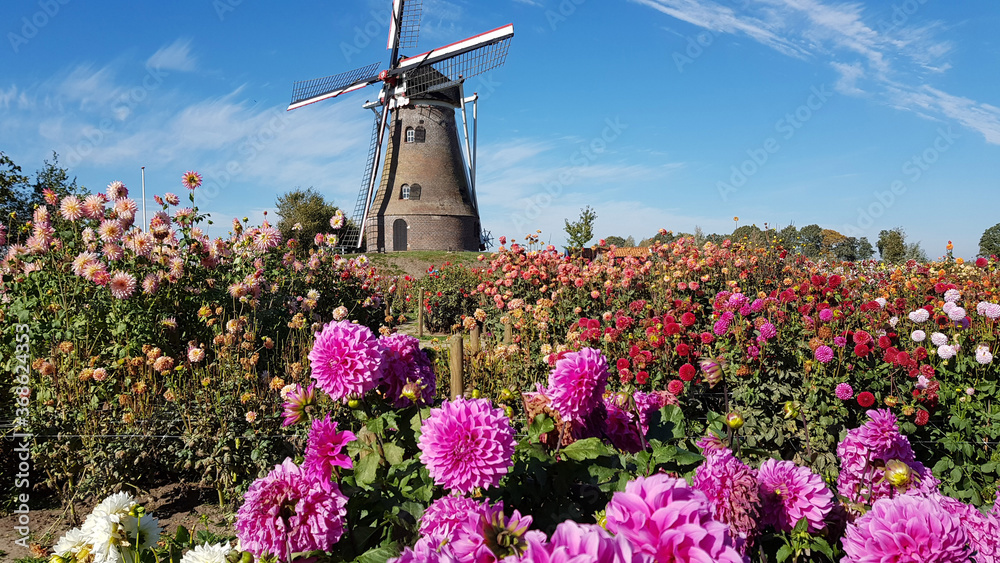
x=425 y=197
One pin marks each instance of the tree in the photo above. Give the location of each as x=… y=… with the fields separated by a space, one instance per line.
x=892 y=245
x=14 y=197
x=914 y=252
x=989 y=244
x=751 y=233
x=580 y=232
x=811 y=240
x=619 y=241
x=305 y=208
x=865 y=250
x=788 y=238
x=55 y=178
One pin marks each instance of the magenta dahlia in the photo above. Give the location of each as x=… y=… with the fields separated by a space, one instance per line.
x=789 y=493
x=823 y=354
x=732 y=490
x=864 y=453
x=290 y=511
x=490 y=536
x=904 y=529
x=583 y=543
x=467 y=444
x=346 y=360
x=324 y=449
x=446 y=514
x=668 y=520
x=577 y=383
x=427 y=550
x=844 y=391
x=408 y=376
x=298 y=403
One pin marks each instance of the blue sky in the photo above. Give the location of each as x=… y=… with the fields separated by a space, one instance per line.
x=858 y=116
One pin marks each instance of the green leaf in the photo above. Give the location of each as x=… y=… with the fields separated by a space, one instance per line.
x=182 y=536
x=393 y=453
x=364 y=472
x=822 y=545
x=784 y=553
x=540 y=425
x=590 y=448
x=377 y=555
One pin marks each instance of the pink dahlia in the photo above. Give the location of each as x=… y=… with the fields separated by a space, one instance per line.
x=408 y=377
x=297 y=404
x=191 y=180
x=732 y=490
x=904 y=529
x=668 y=520
x=290 y=511
x=790 y=493
x=844 y=391
x=467 y=444
x=426 y=550
x=446 y=514
x=71 y=208
x=491 y=536
x=983 y=530
x=122 y=285
x=577 y=383
x=324 y=449
x=583 y=543
x=864 y=453
x=824 y=354
x=346 y=360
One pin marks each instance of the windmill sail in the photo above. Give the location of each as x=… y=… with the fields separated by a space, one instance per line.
x=458 y=61
x=405 y=34
x=310 y=91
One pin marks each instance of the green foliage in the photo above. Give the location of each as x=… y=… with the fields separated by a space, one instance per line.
x=619 y=241
x=307 y=209
x=811 y=240
x=989 y=243
x=892 y=245
x=448 y=296
x=581 y=231
x=864 y=249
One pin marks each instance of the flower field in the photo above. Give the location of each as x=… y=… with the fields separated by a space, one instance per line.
x=730 y=402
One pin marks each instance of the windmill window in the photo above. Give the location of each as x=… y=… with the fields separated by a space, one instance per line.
x=420 y=134
x=404 y=192
x=409 y=134
x=415 y=191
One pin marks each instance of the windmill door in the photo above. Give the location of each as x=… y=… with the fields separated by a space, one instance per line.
x=399 y=235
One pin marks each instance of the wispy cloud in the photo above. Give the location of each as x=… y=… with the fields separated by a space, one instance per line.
x=176 y=56
x=890 y=56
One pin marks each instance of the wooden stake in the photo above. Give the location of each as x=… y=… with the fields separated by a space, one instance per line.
x=474 y=340
x=508 y=334
x=420 y=312
x=456 y=359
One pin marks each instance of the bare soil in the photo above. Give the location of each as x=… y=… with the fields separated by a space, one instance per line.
x=174 y=505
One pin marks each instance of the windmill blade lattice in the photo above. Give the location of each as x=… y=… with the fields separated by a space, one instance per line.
x=456 y=62
x=409 y=25
x=332 y=86
x=351 y=237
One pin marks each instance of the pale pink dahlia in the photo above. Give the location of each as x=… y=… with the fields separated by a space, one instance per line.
x=577 y=383
x=732 y=490
x=122 y=285
x=467 y=444
x=191 y=179
x=665 y=518
x=346 y=360
x=71 y=208
x=446 y=514
x=324 y=449
x=290 y=511
x=789 y=493
x=906 y=529
x=408 y=376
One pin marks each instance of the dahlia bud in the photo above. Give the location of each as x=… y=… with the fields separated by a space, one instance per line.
x=791 y=409
x=410 y=391
x=353 y=403
x=734 y=420
x=602 y=519
x=712 y=369
x=508 y=411
x=898 y=473
x=476 y=394
x=506 y=395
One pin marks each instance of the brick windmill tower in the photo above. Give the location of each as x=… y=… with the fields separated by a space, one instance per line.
x=425 y=196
